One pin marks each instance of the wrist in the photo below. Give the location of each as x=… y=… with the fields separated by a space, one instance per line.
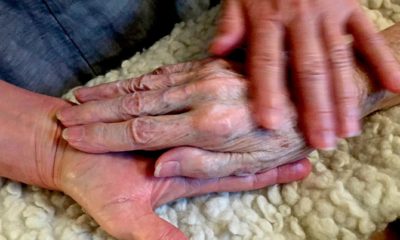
x=29 y=136
x=49 y=150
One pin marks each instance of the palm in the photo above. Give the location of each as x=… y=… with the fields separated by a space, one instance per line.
x=120 y=192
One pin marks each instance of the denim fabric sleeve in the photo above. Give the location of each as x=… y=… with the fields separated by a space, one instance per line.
x=34 y=52
x=107 y=32
x=49 y=46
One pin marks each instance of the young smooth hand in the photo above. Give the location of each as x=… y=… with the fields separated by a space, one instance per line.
x=120 y=192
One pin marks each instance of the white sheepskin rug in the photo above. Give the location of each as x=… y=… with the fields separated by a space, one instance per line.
x=351 y=192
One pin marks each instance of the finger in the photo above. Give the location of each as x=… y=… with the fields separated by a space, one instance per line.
x=155 y=102
x=199 y=163
x=313 y=83
x=188 y=187
x=373 y=46
x=123 y=87
x=215 y=126
x=143 y=133
x=181 y=67
x=283 y=174
x=266 y=69
x=230 y=28
x=346 y=93
x=194 y=162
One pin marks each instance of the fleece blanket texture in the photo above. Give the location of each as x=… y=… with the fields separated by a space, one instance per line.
x=351 y=192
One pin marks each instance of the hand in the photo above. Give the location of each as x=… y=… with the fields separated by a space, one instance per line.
x=120 y=193
x=117 y=190
x=193 y=105
x=315 y=31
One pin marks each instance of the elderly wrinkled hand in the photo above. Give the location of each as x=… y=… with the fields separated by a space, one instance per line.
x=200 y=107
x=117 y=189
x=320 y=56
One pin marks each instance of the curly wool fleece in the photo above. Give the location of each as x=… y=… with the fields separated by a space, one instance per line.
x=351 y=192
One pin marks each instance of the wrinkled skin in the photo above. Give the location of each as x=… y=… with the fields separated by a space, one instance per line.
x=319 y=55
x=117 y=189
x=201 y=106
x=98 y=181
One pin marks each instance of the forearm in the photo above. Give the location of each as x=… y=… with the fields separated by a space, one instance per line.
x=28 y=135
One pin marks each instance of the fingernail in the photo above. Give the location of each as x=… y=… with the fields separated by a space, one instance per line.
x=79 y=90
x=325 y=140
x=167 y=169
x=271 y=118
x=299 y=168
x=79 y=93
x=396 y=81
x=64 y=115
x=351 y=128
x=73 y=133
x=59 y=116
x=218 y=45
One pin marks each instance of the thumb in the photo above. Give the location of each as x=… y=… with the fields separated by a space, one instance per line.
x=152 y=227
x=199 y=163
x=230 y=28
x=195 y=163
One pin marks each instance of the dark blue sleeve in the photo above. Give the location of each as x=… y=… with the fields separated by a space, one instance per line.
x=50 y=46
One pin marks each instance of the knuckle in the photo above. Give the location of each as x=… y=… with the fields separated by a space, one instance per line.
x=349 y=93
x=225 y=23
x=205 y=168
x=222 y=127
x=136 y=84
x=256 y=181
x=140 y=131
x=175 y=96
x=213 y=74
x=247 y=163
x=374 y=39
x=219 y=63
x=340 y=57
x=218 y=127
x=188 y=90
x=211 y=90
x=132 y=104
x=172 y=68
x=155 y=82
x=264 y=25
x=322 y=113
x=347 y=101
x=320 y=118
x=160 y=70
x=141 y=83
x=169 y=80
x=111 y=89
x=267 y=59
x=253 y=181
x=220 y=85
x=311 y=68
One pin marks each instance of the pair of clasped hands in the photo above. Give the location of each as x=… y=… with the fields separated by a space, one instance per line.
x=221 y=126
